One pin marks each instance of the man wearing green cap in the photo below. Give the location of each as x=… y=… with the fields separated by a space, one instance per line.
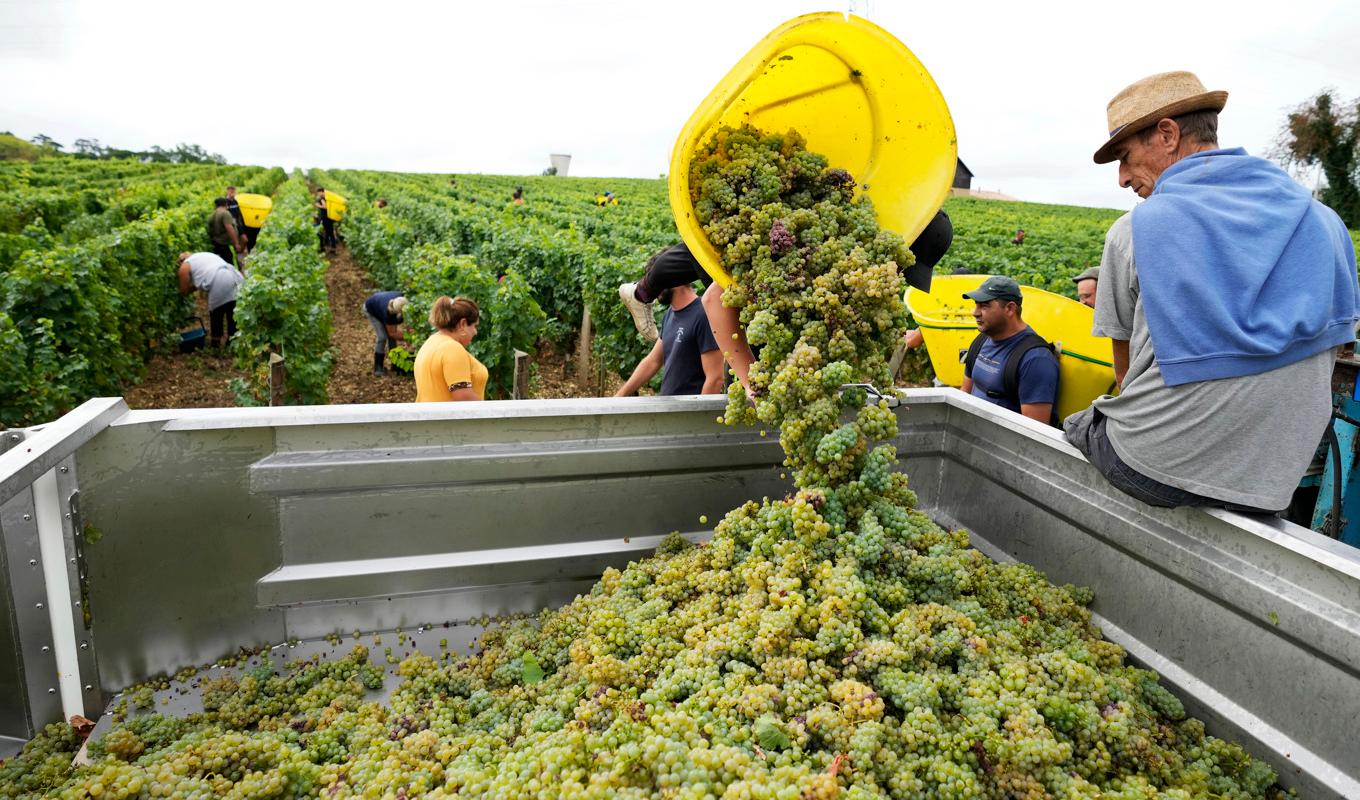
x=1086 y=283
x=1226 y=292
x=1009 y=364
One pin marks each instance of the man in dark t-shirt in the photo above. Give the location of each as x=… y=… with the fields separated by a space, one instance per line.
x=686 y=350
x=997 y=311
x=223 y=232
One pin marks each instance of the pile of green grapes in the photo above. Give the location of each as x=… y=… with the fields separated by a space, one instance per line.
x=831 y=643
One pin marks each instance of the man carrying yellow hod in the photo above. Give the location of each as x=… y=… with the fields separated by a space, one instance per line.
x=1226 y=293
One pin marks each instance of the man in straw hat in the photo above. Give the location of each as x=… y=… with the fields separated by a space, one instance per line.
x=1226 y=293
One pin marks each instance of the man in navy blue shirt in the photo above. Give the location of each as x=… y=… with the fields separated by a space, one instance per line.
x=686 y=350
x=384 y=312
x=997 y=311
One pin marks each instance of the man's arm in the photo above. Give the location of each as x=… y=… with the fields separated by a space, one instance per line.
x=713 y=371
x=643 y=372
x=185 y=286
x=1038 y=384
x=393 y=331
x=967 y=386
x=236 y=240
x=1043 y=412
x=726 y=325
x=1121 y=360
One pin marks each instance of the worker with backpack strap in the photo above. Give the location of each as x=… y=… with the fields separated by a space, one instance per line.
x=1008 y=363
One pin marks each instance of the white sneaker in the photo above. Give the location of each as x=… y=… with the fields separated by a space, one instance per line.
x=642 y=312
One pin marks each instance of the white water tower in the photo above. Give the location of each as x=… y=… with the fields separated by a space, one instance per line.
x=560 y=162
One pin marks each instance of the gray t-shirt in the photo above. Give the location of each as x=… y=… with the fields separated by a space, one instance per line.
x=209 y=273
x=1244 y=440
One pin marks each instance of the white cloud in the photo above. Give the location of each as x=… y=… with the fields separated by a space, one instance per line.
x=495 y=87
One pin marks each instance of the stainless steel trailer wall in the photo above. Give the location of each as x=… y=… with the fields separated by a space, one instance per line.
x=245 y=527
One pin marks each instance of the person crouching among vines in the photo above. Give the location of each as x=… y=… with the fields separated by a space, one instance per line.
x=444 y=368
x=221 y=281
x=384 y=311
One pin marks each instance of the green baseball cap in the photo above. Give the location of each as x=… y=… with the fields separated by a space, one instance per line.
x=1090 y=274
x=997 y=287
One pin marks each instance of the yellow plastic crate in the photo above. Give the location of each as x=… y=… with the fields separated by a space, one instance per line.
x=857 y=95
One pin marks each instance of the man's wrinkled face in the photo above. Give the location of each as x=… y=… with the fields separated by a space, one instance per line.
x=1086 y=292
x=1142 y=163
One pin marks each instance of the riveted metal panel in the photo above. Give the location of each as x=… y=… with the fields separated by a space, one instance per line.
x=29 y=696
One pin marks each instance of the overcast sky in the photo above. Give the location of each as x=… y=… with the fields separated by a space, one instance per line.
x=496 y=86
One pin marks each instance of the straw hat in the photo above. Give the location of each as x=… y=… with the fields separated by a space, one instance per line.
x=1144 y=102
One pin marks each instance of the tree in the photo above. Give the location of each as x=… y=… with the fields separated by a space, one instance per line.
x=195 y=154
x=91 y=148
x=43 y=140
x=550 y=171
x=1318 y=133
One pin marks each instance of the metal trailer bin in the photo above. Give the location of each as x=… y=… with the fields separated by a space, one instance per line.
x=223 y=528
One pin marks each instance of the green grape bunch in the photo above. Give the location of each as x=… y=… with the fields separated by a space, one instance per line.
x=817 y=283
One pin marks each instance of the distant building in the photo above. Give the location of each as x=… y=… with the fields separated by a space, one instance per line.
x=963 y=185
x=963 y=176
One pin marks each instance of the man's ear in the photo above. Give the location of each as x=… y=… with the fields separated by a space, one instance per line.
x=1169 y=132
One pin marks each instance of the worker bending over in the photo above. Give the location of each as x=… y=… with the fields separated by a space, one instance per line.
x=221 y=282
x=1226 y=293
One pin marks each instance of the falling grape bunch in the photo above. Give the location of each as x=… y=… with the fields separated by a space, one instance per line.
x=831 y=643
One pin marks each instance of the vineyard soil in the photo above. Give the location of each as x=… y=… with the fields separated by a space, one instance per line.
x=199 y=380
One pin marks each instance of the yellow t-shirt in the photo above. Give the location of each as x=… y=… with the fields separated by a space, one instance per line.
x=441 y=363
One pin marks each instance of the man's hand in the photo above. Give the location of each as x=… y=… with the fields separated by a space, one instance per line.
x=643 y=372
x=237 y=240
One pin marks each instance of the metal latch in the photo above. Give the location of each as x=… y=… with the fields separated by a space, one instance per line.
x=894 y=399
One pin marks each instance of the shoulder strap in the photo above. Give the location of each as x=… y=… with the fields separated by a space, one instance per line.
x=970 y=357
x=1011 y=375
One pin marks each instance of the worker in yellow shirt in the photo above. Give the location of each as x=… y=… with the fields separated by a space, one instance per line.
x=444 y=369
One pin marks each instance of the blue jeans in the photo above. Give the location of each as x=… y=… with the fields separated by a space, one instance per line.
x=1094 y=442
x=382 y=343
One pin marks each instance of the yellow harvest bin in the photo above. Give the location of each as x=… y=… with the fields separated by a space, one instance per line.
x=254 y=208
x=335 y=206
x=857 y=95
x=1086 y=362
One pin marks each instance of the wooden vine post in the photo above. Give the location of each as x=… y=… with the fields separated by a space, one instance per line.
x=583 y=352
x=520 y=389
x=277 y=375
